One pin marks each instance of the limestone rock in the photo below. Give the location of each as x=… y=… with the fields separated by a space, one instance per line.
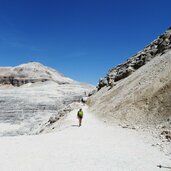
x=84 y=99
x=31 y=93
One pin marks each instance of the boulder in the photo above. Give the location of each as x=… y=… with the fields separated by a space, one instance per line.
x=84 y=99
x=92 y=92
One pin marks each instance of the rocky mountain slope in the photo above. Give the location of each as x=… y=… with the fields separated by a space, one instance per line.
x=31 y=93
x=138 y=92
x=158 y=47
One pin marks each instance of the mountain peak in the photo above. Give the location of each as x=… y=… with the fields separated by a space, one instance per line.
x=31 y=72
x=31 y=65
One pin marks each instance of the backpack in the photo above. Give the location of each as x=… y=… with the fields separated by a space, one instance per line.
x=80 y=113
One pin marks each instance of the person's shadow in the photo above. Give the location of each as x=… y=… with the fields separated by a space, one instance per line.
x=74 y=125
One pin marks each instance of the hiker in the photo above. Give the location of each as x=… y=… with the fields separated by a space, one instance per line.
x=80 y=116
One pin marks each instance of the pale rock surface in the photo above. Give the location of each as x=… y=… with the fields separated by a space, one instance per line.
x=31 y=93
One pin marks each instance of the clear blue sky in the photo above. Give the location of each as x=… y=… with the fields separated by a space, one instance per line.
x=80 y=38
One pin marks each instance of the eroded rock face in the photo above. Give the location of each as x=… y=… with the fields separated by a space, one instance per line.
x=17 y=82
x=158 y=46
x=30 y=73
x=31 y=93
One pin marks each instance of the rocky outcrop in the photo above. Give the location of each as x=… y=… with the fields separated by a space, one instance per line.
x=17 y=82
x=166 y=134
x=159 y=46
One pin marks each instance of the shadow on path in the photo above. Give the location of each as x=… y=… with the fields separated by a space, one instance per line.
x=74 y=125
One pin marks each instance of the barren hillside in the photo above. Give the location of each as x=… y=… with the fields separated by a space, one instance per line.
x=139 y=90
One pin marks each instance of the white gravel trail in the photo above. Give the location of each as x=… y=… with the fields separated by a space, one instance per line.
x=96 y=146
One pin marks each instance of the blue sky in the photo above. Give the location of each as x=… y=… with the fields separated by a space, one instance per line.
x=82 y=39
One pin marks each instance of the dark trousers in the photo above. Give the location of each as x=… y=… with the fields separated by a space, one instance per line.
x=80 y=120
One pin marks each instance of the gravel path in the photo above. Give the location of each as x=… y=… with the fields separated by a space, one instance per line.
x=96 y=146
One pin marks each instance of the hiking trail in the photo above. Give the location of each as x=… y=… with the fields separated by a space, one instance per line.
x=95 y=146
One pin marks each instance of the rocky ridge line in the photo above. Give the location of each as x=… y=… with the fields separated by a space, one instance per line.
x=158 y=46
